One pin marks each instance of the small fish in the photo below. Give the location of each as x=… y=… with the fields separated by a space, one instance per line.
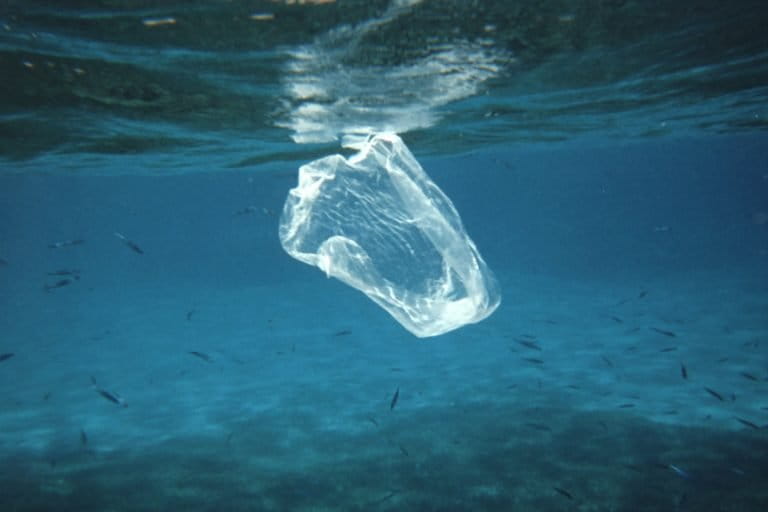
x=533 y=360
x=393 y=402
x=668 y=349
x=130 y=243
x=749 y=376
x=385 y=498
x=529 y=344
x=112 y=397
x=65 y=243
x=58 y=284
x=72 y=273
x=345 y=332
x=403 y=450
x=156 y=22
x=679 y=471
x=205 y=357
x=642 y=294
x=564 y=493
x=617 y=319
x=683 y=371
x=664 y=332
x=626 y=406
x=6 y=356
x=607 y=361
x=715 y=394
x=747 y=423
x=373 y=420
x=529 y=336
x=246 y=211
x=190 y=313
x=83 y=438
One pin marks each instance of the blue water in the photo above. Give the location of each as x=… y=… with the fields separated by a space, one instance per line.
x=609 y=161
x=593 y=246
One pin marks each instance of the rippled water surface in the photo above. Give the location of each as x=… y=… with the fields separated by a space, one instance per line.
x=240 y=83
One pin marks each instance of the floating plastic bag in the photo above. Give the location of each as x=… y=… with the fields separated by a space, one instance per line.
x=378 y=223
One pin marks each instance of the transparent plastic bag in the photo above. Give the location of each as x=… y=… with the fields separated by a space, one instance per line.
x=377 y=222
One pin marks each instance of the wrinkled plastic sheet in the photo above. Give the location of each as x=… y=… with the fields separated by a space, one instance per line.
x=378 y=223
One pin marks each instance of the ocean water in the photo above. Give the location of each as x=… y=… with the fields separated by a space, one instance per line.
x=608 y=158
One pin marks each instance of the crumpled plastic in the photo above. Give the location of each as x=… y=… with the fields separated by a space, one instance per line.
x=377 y=222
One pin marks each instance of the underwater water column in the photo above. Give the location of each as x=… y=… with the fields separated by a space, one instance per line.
x=377 y=222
